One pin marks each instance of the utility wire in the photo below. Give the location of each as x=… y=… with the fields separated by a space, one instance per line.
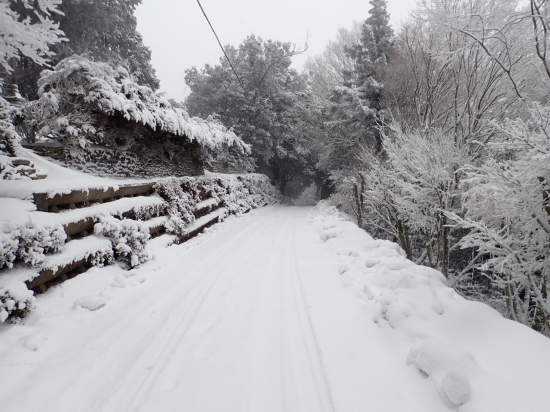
x=223 y=50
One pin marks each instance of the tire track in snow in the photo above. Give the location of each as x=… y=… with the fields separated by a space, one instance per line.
x=283 y=347
x=309 y=336
x=302 y=382
x=166 y=335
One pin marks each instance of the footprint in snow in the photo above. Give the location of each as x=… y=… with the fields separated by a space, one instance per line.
x=33 y=342
x=90 y=302
x=324 y=236
x=343 y=269
x=119 y=282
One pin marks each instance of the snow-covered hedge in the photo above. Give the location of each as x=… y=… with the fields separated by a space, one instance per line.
x=76 y=82
x=241 y=193
x=29 y=243
x=15 y=300
x=128 y=237
x=125 y=239
x=236 y=193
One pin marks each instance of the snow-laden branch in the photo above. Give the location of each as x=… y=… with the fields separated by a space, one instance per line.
x=113 y=90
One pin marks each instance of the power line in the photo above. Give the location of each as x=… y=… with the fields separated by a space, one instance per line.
x=223 y=50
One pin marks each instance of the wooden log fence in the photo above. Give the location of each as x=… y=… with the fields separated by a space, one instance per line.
x=207 y=213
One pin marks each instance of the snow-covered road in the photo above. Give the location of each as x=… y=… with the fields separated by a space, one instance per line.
x=256 y=315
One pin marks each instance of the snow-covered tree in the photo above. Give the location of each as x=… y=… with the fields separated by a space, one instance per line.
x=469 y=87
x=101 y=30
x=27 y=29
x=79 y=98
x=269 y=105
x=328 y=70
x=506 y=195
x=357 y=102
x=507 y=209
x=407 y=195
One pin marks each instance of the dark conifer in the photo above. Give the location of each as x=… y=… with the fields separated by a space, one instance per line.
x=102 y=30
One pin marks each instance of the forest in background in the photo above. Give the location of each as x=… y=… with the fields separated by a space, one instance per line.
x=435 y=135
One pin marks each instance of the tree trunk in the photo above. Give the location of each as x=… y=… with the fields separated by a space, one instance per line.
x=446 y=251
x=358 y=204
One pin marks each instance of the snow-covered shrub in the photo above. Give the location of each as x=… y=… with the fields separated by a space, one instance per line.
x=405 y=198
x=10 y=137
x=507 y=212
x=8 y=249
x=35 y=241
x=29 y=243
x=77 y=88
x=262 y=192
x=13 y=165
x=15 y=300
x=181 y=195
x=102 y=258
x=338 y=200
x=149 y=211
x=128 y=237
x=237 y=193
x=176 y=226
x=228 y=191
x=240 y=193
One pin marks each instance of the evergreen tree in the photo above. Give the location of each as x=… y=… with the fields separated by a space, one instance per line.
x=103 y=30
x=382 y=33
x=27 y=29
x=358 y=102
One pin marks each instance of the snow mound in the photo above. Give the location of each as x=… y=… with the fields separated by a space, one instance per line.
x=475 y=359
x=446 y=365
x=90 y=302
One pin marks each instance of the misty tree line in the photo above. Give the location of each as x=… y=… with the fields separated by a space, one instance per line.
x=435 y=136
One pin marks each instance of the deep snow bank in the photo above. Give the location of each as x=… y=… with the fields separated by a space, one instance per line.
x=476 y=359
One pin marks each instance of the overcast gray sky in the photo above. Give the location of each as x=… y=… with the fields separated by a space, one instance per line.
x=180 y=37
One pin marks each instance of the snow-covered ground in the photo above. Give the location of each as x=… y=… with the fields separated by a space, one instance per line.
x=284 y=308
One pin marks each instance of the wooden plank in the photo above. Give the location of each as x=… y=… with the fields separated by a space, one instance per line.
x=48 y=274
x=195 y=232
x=77 y=227
x=42 y=201
x=205 y=207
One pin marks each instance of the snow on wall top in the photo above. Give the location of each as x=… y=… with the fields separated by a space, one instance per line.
x=59 y=180
x=114 y=90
